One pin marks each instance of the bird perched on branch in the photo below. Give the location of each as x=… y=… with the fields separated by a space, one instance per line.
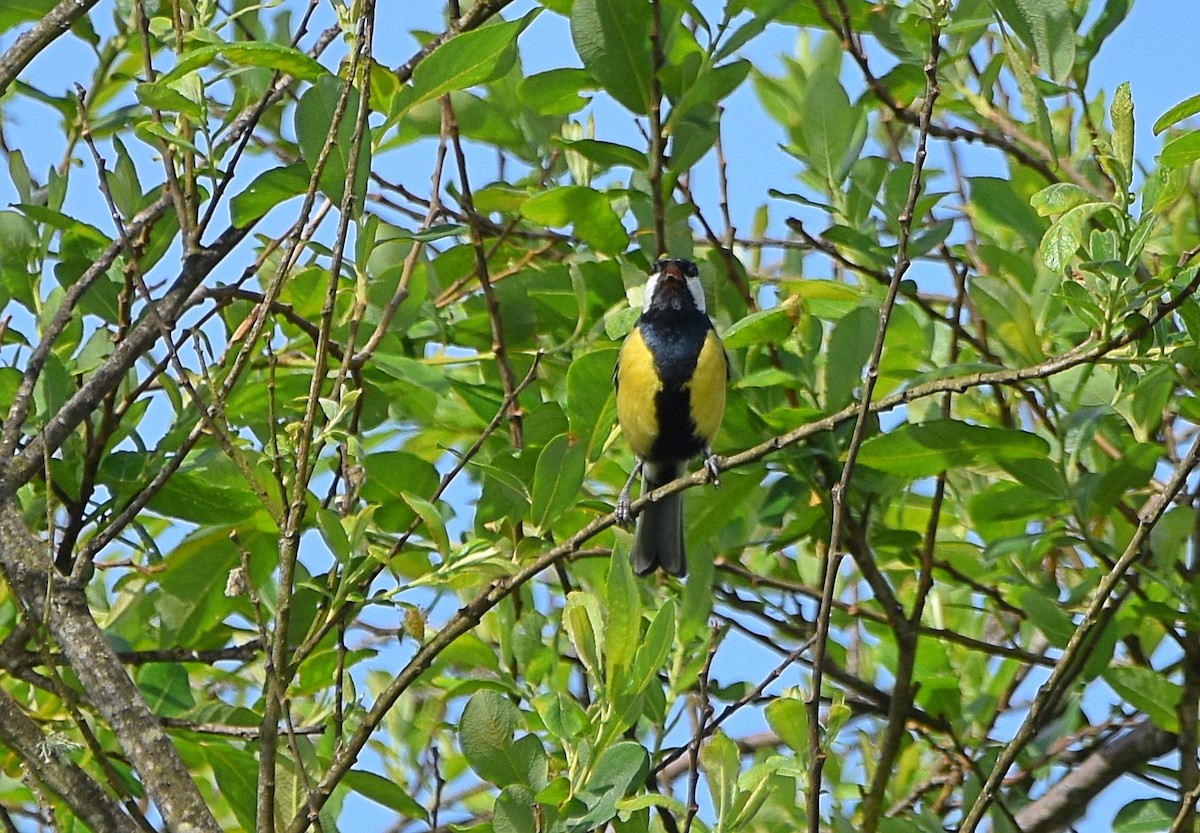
x=670 y=380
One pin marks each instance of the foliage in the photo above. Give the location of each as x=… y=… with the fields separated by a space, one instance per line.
x=309 y=446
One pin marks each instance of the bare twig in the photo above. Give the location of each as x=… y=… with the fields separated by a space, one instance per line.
x=654 y=174
x=47 y=758
x=831 y=558
x=1068 y=799
x=1069 y=662
x=49 y=28
x=704 y=711
x=499 y=347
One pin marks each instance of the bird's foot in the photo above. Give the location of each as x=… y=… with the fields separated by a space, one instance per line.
x=714 y=473
x=623 y=511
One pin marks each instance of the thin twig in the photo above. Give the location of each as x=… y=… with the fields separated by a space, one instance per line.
x=1072 y=655
x=28 y=45
x=499 y=346
x=831 y=558
x=704 y=713
x=280 y=663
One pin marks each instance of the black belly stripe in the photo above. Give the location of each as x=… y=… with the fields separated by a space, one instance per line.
x=676 y=438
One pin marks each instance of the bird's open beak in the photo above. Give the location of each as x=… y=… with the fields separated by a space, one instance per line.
x=674 y=273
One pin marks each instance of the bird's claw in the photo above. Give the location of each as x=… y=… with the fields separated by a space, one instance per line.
x=622 y=511
x=714 y=473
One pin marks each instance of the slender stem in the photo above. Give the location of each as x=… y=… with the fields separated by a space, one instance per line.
x=657 y=141
x=832 y=557
x=499 y=346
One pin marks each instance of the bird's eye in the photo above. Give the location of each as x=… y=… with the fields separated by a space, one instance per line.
x=657 y=266
x=690 y=269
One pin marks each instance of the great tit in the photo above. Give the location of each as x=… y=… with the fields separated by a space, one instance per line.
x=670 y=379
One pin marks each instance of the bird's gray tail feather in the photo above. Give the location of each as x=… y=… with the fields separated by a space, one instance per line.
x=658 y=540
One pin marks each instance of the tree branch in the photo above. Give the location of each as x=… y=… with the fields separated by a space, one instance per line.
x=1067 y=800
x=49 y=763
x=25 y=565
x=53 y=25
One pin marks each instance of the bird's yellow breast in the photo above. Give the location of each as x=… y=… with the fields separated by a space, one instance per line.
x=639 y=381
x=637 y=384
x=707 y=390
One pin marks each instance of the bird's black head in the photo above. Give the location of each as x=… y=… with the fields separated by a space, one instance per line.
x=674 y=284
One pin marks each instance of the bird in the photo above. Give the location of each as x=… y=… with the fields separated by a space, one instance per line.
x=670 y=381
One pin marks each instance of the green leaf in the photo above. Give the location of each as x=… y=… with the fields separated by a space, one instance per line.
x=764 y=326
x=467 y=59
x=1131 y=472
x=709 y=88
x=1045 y=26
x=162 y=97
x=827 y=127
x=313 y=122
x=431 y=519
x=236 y=773
x=385 y=792
x=286 y=59
x=1169 y=538
x=149 y=131
x=1066 y=235
x=439 y=231
x=787 y=716
x=589 y=391
x=191 y=601
x=1048 y=615
x=619 y=768
x=587 y=210
x=866 y=247
x=1111 y=16
x=1060 y=198
x=1149 y=691
x=562 y=716
x=18 y=172
x=16 y=12
x=612 y=38
x=607 y=154
x=585 y=628
x=693 y=137
x=555 y=92
x=655 y=647
x=764 y=15
x=166 y=687
x=485 y=734
x=720 y=760
x=850 y=346
x=1122 y=125
x=929 y=448
x=18 y=236
x=1183 y=110
x=557 y=479
x=1181 y=151
x=390 y=476
x=755 y=786
x=624 y=624
x=998 y=202
x=123 y=182
x=1146 y=815
x=514 y=811
x=930 y=237
x=269 y=189
x=207 y=490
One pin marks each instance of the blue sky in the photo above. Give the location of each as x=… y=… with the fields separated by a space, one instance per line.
x=1154 y=50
